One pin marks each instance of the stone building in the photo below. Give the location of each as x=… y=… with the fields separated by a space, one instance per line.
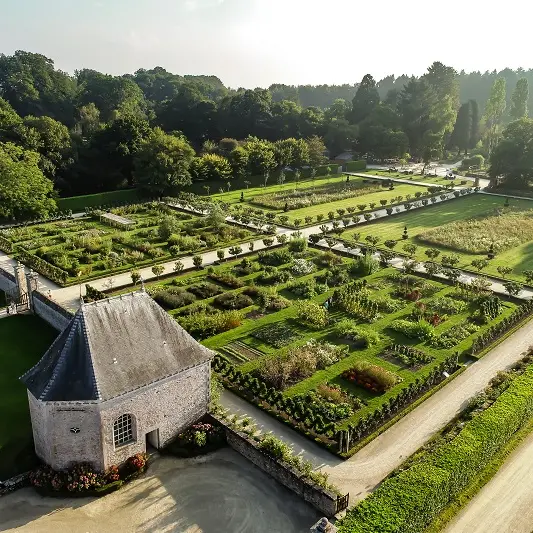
x=123 y=375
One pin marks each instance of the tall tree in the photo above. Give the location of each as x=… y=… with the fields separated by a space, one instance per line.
x=460 y=138
x=445 y=86
x=512 y=158
x=365 y=100
x=493 y=115
x=316 y=148
x=519 y=100
x=474 y=124
x=24 y=191
x=161 y=165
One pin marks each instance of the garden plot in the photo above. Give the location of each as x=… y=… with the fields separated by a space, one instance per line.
x=83 y=249
x=331 y=344
x=462 y=230
x=370 y=340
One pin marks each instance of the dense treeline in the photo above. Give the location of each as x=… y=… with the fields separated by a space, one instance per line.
x=93 y=132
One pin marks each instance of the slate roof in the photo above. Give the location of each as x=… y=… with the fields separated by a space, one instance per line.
x=112 y=347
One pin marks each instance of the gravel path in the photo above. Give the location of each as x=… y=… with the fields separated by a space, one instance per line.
x=505 y=503
x=219 y=493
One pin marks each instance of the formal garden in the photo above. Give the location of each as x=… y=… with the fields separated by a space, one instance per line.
x=333 y=346
x=297 y=204
x=485 y=234
x=103 y=243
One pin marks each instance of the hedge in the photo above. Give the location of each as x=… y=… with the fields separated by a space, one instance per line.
x=79 y=203
x=48 y=270
x=409 y=501
x=354 y=166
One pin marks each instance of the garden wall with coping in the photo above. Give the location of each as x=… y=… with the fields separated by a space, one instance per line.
x=327 y=502
x=52 y=313
x=7 y=281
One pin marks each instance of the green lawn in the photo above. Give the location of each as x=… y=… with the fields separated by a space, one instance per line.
x=385 y=194
x=430 y=180
x=23 y=341
x=234 y=196
x=420 y=220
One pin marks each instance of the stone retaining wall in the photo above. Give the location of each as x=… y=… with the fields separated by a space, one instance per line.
x=325 y=501
x=7 y=281
x=50 y=312
x=14 y=483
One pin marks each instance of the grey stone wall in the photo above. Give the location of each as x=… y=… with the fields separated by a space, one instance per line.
x=169 y=406
x=321 y=499
x=50 y=312
x=55 y=443
x=7 y=281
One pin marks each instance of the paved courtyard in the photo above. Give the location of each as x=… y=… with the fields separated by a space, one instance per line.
x=219 y=493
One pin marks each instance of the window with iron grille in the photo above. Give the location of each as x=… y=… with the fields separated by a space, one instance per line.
x=123 y=430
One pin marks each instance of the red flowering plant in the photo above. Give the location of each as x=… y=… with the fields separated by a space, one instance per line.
x=137 y=462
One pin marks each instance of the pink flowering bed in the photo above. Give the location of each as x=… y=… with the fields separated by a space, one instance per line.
x=82 y=479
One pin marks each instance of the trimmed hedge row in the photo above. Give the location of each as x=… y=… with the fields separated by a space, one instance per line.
x=79 y=203
x=6 y=245
x=43 y=267
x=496 y=331
x=354 y=166
x=410 y=500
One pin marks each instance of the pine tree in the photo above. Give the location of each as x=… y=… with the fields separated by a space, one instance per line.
x=519 y=100
x=474 y=124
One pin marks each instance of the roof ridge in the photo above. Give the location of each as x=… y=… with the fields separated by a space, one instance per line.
x=108 y=299
x=88 y=346
x=174 y=322
x=62 y=356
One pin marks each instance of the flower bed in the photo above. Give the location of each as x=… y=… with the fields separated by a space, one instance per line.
x=277 y=334
x=371 y=377
x=82 y=479
x=199 y=439
x=407 y=355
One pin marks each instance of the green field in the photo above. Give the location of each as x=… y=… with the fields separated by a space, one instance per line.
x=23 y=341
x=385 y=194
x=430 y=180
x=520 y=257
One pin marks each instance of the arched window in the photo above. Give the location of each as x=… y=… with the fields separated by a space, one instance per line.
x=123 y=430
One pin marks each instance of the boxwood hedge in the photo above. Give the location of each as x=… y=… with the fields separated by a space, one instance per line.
x=410 y=500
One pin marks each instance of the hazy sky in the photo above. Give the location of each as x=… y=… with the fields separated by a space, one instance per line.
x=252 y=43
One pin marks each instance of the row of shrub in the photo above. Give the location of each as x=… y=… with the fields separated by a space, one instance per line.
x=410 y=500
x=367 y=425
x=355 y=166
x=304 y=417
x=52 y=272
x=496 y=331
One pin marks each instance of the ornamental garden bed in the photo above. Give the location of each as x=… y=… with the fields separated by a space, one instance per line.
x=459 y=233
x=62 y=250
x=201 y=438
x=82 y=480
x=283 y=349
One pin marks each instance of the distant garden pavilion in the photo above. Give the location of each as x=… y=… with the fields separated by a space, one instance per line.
x=116 y=221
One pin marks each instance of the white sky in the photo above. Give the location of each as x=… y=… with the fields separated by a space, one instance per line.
x=253 y=43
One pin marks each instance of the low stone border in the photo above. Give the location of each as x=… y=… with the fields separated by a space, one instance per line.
x=326 y=501
x=14 y=483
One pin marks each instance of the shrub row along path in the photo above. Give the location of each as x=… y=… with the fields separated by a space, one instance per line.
x=360 y=474
x=505 y=503
x=69 y=297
